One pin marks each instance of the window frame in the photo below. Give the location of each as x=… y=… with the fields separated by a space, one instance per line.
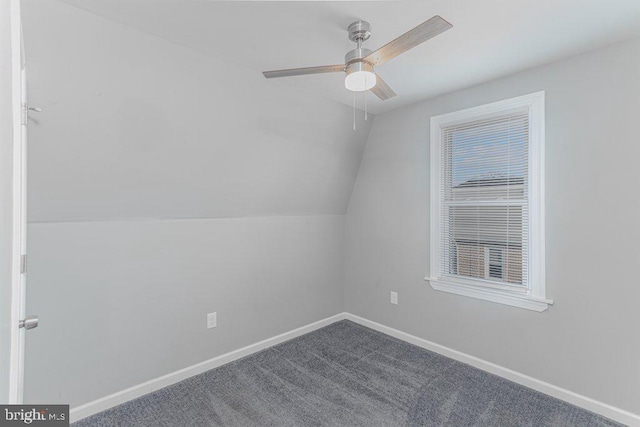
x=534 y=296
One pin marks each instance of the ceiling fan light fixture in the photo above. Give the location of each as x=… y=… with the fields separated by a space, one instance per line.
x=359 y=62
x=359 y=77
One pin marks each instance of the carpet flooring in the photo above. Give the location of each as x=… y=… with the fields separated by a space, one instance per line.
x=345 y=375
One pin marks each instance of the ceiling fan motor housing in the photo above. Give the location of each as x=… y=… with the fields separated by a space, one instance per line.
x=356 y=55
x=353 y=61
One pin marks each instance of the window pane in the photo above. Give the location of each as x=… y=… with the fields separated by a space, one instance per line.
x=484 y=199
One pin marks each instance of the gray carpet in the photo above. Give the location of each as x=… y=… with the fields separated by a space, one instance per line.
x=345 y=375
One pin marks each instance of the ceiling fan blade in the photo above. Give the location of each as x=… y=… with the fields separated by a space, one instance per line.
x=408 y=40
x=382 y=89
x=304 y=71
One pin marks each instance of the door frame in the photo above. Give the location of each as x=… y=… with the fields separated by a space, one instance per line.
x=18 y=234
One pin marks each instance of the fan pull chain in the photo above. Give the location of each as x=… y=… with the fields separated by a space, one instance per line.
x=365 y=105
x=354 y=111
x=365 y=100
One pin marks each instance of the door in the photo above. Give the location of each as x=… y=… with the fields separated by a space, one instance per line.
x=13 y=201
x=25 y=322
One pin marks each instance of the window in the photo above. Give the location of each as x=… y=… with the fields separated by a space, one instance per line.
x=487 y=202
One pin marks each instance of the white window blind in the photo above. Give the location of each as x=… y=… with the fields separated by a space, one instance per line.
x=484 y=199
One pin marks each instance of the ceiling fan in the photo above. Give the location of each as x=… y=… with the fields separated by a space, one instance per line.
x=359 y=62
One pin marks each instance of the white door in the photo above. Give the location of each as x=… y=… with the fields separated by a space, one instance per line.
x=13 y=203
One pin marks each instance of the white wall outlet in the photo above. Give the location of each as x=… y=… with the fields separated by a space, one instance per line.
x=212 y=320
x=394 y=297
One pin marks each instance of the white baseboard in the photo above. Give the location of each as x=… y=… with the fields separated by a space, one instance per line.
x=134 y=392
x=576 y=399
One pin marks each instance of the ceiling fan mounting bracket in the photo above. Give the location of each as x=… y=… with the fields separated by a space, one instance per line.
x=359 y=31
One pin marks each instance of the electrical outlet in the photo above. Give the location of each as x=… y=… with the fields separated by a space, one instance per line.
x=394 y=297
x=212 y=320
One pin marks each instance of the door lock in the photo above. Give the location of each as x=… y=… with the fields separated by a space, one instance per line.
x=29 y=322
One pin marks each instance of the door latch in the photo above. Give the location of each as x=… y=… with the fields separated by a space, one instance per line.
x=29 y=322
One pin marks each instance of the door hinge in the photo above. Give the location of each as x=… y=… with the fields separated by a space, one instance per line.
x=23 y=264
x=25 y=114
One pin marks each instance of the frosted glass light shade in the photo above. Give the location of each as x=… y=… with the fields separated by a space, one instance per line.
x=360 y=80
x=359 y=77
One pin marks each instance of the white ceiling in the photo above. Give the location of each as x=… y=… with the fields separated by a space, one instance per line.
x=490 y=38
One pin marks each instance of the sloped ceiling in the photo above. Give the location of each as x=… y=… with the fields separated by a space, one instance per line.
x=490 y=38
x=158 y=109
x=134 y=127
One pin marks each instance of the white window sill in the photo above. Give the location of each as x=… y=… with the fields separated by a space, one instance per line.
x=526 y=301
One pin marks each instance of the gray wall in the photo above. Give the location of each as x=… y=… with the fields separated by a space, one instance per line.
x=587 y=342
x=121 y=303
x=138 y=138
